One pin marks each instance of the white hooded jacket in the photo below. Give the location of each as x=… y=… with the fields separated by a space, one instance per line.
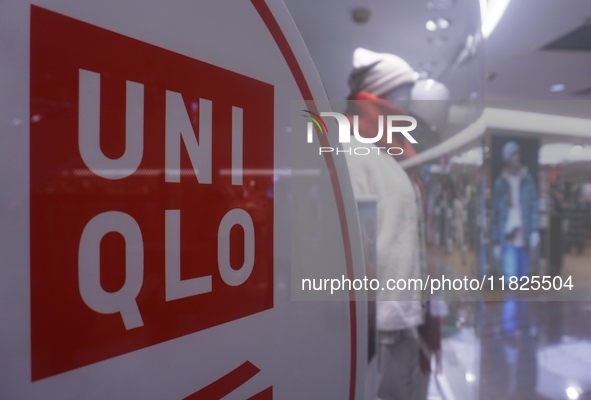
x=397 y=233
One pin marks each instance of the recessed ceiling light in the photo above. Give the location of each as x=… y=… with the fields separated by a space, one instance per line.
x=431 y=26
x=442 y=23
x=572 y=393
x=470 y=377
x=439 y=23
x=558 y=87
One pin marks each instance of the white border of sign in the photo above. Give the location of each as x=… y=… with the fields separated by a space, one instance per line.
x=144 y=372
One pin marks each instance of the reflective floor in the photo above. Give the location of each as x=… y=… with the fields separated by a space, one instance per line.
x=517 y=350
x=504 y=348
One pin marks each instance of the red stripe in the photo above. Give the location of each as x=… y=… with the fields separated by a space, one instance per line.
x=266 y=394
x=227 y=383
x=306 y=93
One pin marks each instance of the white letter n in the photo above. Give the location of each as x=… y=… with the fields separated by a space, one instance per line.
x=178 y=124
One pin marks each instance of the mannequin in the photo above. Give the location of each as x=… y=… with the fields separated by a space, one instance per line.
x=514 y=214
x=384 y=84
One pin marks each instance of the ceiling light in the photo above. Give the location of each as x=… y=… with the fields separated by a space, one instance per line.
x=470 y=377
x=483 y=8
x=558 y=87
x=439 y=23
x=491 y=13
x=442 y=23
x=572 y=392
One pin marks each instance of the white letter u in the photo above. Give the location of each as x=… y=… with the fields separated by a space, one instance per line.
x=89 y=109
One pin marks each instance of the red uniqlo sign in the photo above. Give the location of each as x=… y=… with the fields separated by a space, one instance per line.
x=151 y=201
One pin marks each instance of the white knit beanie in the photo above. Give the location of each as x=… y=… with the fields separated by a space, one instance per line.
x=378 y=73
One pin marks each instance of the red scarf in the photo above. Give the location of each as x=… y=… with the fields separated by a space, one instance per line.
x=368 y=109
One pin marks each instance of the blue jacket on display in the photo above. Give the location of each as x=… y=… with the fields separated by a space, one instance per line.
x=501 y=202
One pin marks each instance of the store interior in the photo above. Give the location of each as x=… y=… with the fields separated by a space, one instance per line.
x=517 y=71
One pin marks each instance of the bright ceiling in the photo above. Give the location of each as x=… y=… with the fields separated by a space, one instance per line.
x=509 y=65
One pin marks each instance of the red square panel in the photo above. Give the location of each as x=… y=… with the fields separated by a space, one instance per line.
x=151 y=201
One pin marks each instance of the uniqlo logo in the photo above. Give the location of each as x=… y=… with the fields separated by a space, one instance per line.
x=151 y=197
